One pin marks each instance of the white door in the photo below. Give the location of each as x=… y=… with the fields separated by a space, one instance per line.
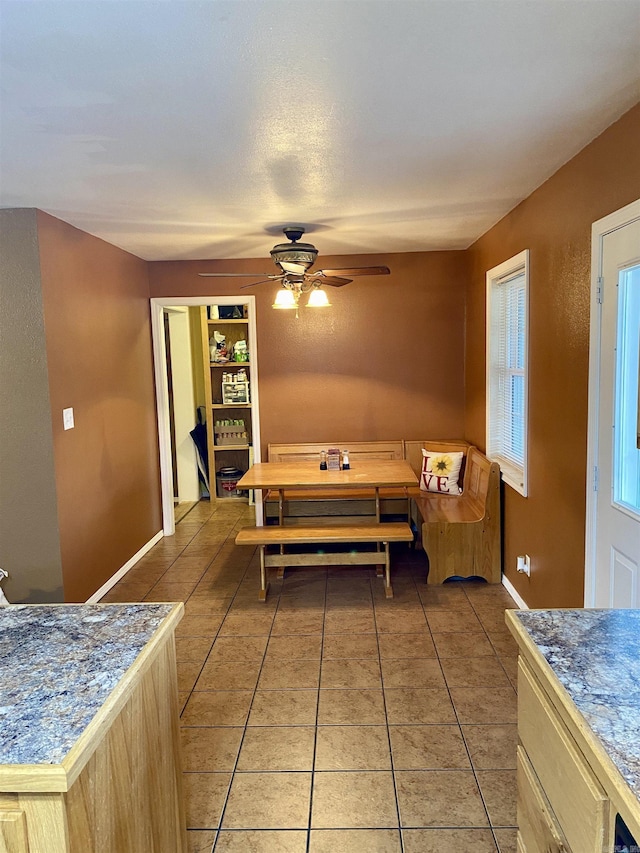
x=616 y=531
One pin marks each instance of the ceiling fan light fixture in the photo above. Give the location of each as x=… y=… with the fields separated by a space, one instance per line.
x=318 y=299
x=284 y=299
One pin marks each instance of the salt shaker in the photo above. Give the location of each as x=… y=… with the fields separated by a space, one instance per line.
x=345 y=460
x=323 y=460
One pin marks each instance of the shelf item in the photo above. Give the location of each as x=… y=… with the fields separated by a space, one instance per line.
x=230 y=385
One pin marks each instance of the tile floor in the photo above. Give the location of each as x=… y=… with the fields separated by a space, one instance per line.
x=329 y=719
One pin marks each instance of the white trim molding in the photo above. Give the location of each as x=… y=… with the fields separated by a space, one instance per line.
x=113 y=580
x=519 y=600
x=162 y=394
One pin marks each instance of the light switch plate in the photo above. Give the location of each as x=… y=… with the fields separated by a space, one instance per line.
x=67 y=418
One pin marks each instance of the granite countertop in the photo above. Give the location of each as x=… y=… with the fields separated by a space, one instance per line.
x=58 y=665
x=595 y=654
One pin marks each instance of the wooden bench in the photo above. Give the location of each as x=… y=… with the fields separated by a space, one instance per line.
x=320 y=535
x=335 y=506
x=460 y=534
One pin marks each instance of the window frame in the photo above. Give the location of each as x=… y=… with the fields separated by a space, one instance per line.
x=513 y=472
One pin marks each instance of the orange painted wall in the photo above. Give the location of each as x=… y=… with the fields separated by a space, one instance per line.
x=554 y=223
x=98 y=343
x=386 y=361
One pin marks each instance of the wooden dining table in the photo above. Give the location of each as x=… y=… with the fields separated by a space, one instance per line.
x=307 y=478
x=374 y=474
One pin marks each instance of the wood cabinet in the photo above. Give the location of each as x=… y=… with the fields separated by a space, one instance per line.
x=232 y=411
x=119 y=787
x=570 y=788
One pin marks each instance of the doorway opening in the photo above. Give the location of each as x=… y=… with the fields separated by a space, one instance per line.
x=179 y=399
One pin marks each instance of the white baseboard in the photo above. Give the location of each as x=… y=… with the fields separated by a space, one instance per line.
x=519 y=600
x=113 y=580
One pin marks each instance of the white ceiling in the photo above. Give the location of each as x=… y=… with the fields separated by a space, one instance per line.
x=182 y=129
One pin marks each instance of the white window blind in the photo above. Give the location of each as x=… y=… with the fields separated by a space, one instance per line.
x=507 y=369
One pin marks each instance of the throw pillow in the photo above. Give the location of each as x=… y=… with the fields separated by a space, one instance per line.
x=440 y=472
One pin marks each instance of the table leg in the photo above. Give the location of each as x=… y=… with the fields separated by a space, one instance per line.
x=280 y=573
x=379 y=569
x=388 y=589
x=264 y=585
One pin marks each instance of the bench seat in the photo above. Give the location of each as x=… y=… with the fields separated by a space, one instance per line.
x=461 y=533
x=325 y=535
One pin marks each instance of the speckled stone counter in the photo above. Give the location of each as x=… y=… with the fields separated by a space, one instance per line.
x=594 y=655
x=89 y=743
x=58 y=664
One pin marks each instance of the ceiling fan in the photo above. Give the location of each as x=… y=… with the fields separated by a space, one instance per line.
x=294 y=260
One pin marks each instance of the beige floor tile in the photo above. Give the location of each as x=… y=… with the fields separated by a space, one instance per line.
x=204 y=795
x=238 y=649
x=349 y=622
x=206 y=606
x=200 y=841
x=352 y=800
x=470 y=645
x=210 y=749
x=499 y=790
x=492 y=747
x=256 y=625
x=199 y=626
x=503 y=643
x=292 y=674
x=453 y=621
x=492 y=619
x=352 y=748
x=193 y=649
x=445 y=840
x=261 y=841
x=268 y=801
x=125 y=593
x=511 y=668
x=408 y=672
x=170 y=591
x=349 y=673
x=443 y=597
x=217 y=708
x=229 y=675
x=363 y=646
x=287 y=623
x=406 y=646
x=270 y=748
x=428 y=748
x=416 y=705
x=474 y=672
x=484 y=704
x=188 y=672
x=345 y=707
x=354 y=841
x=401 y=621
x=507 y=840
x=294 y=647
x=442 y=798
x=284 y=708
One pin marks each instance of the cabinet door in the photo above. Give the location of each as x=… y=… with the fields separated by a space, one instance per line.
x=538 y=829
x=576 y=798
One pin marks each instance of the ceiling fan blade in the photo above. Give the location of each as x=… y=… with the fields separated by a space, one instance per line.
x=296 y=269
x=356 y=271
x=335 y=281
x=232 y=274
x=271 y=279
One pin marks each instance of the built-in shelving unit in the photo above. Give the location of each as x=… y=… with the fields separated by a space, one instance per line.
x=232 y=422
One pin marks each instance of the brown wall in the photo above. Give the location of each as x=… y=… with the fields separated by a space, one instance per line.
x=385 y=362
x=554 y=223
x=98 y=342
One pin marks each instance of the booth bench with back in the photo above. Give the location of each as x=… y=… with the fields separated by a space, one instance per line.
x=460 y=533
